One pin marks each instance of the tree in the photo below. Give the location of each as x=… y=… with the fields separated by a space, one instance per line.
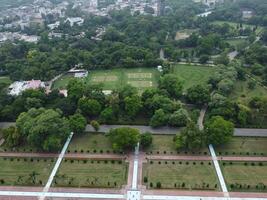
x=11 y=136
x=89 y=107
x=219 y=131
x=133 y=104
x=160 y=118
x=190 y=137
x=146 y=139
x=198 y=94
x=204 y=59
x=172 y=84
x=107 y=115
x=179 y=118
x=75 y=89
x=77 y=123
x=124 y=138
x=95 y=125
x=44 y=129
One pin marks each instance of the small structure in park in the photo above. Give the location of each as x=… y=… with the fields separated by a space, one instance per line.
x=79 y=73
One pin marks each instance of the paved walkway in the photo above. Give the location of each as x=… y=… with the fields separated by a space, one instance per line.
x=201 y=117
x=218 y=171
x=55 y=169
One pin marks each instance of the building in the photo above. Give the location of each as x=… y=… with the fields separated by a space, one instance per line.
x=78 y=73
x=75 y=20
x=18 y=87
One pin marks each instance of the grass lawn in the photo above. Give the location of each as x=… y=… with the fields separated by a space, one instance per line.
x=246 y=146
x=193 y=75
x=90 y=143
x=5 y=80
x=92 y=173
x=243 y=94
x=164 y=144
x=192 y=175
x=250 y=175
x=18 y=171
x=237 y=42
x=233 y=24
x=141 y=78
x=62 y=82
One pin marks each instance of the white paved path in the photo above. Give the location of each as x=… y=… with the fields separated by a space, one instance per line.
x=218 y=171
x=158 y=197
x=54 y=171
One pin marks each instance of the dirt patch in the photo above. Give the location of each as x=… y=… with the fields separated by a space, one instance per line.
x=181 y=35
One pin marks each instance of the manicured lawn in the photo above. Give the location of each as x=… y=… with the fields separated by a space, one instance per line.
x=164 y=144
x=245 y=176
x=18 y=171
x=245 y=146
x=141 y=78
x=243 y=94
x=90 y=143
x=92 y=173
x=191 y=175
x=193 y=75
x=233 y=24
x=62 y=82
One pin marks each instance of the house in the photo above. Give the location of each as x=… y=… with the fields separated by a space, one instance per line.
x=18 y=87
x=78 y=73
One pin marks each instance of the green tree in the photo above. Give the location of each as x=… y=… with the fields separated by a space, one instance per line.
x=75 y=89
x=133 y=104
x=219 y=131
x=107 y=115
x=11 y=136
x=190 y=137
x=95 y=125
x=89 y=107
x=198 y=94
x=43 y=129
x=172 y=84
x=77 y=123
x=179 y=118
x=124 y=138
x=160 y=118
x=146 y=139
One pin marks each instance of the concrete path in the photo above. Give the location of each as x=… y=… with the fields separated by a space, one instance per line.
x=201 y=117
x=55 y=169
x=218 y=171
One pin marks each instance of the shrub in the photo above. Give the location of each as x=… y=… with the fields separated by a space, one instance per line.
x=151 y=185
x=145 y=179
x=158 y=184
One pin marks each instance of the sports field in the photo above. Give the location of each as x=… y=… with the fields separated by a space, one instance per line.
x=245 y=176
x=191 y=175
x=25 y=171
x=244 y=146
x=193 y=74
x=141 y=78
x=92 y=173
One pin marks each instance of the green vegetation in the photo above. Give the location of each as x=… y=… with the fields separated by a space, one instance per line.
x=191 y=175
x=5 y=80
x=164 y=144
x=193 y=75
x=141 y=78
x=245 y=176
x=25 y=171
x=244 y=146
x=90 y=143
x=242 y=93
x=91 y=173
x=4 y=4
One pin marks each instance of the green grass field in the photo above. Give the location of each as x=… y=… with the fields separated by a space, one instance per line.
x=248 y=175
x=244 y=146
x=243 y=94
x=192 y=175
x=92 y=173
x=141 y=78
x=237 y=42
x=193 y=75
x=90 y=143
x=233 y=24
x=17 y=171
x=164 y=144
x=5 y=80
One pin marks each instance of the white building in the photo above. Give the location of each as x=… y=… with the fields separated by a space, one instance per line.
x=74 y=20
x=18 y=87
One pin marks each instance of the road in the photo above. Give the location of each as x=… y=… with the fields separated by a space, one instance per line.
x=246 y=132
